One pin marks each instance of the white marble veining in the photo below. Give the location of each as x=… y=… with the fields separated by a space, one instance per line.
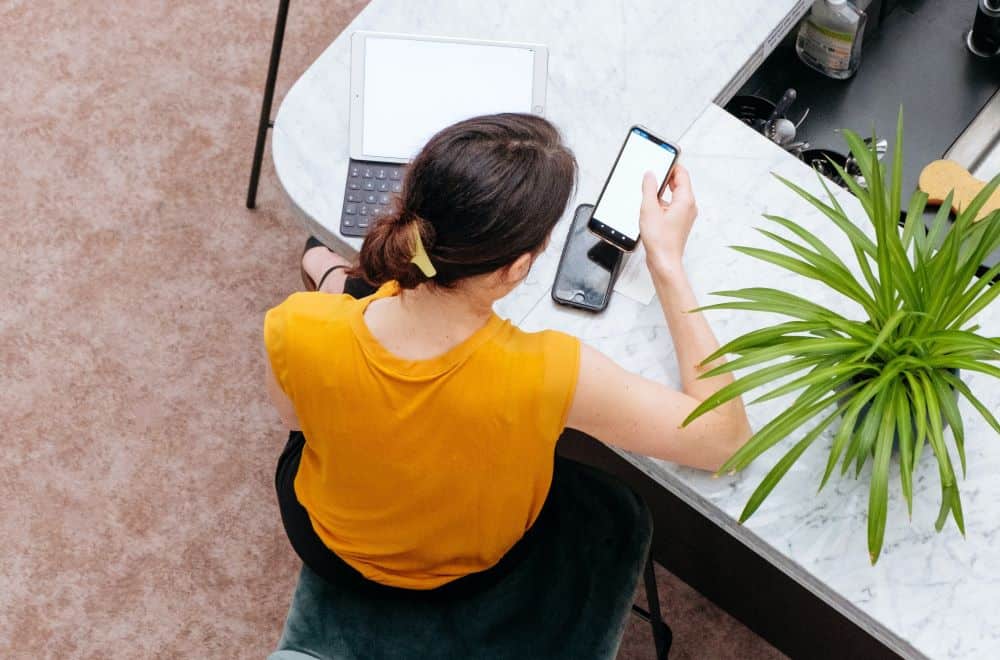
x=611 y=64
x=930 y=594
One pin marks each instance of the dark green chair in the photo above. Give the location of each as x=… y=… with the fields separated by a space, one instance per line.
x=568 y=597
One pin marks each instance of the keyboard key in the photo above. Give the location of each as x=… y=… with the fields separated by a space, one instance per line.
x=351 y=209
x=371 y=198
x=362 y=223
x=354 y=185
x=369 y=185
x=397 y=187
x=355 y=171
x=367 y=173
x=383 y=186
x=396 y=174
x=353 y=197
x=364 y=209
x=383 y=199
x=380 y=173
x=348 y=221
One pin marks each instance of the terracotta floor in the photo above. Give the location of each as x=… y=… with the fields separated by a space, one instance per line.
x=138 y=518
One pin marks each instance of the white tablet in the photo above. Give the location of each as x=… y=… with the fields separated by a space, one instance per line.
x=405 y=88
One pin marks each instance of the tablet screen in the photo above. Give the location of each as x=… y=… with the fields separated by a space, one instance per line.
x=413 y=89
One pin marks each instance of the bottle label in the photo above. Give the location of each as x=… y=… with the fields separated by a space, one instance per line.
x=832 y=49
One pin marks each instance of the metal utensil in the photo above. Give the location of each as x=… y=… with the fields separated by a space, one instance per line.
x=781 y=131
x=796 y=148
x=820 y=160
x=802 y=118
x=881 y=147
x=787 y=99
x=854 y=171
x=852 y=167
x=771 y=130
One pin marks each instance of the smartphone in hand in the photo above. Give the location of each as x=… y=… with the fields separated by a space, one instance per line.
x=616 y=216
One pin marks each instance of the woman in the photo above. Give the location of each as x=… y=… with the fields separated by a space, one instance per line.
x=428 y=423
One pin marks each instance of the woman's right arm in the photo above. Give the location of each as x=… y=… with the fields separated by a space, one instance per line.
x=641 y=415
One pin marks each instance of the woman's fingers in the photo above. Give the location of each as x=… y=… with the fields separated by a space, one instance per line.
x=650 y=192
x=680 y=182
x=649 y=183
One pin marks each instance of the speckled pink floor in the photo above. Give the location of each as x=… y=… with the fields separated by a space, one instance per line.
x=137 y=514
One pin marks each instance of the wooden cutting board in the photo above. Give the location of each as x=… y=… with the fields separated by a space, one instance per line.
x=942 y=176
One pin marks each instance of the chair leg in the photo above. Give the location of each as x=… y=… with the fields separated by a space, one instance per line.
x=265 y=108
x=662 y=635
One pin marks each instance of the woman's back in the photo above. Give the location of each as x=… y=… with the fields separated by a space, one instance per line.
x=416 y=472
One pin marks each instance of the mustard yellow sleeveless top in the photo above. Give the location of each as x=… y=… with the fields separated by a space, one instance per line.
x=417 y=472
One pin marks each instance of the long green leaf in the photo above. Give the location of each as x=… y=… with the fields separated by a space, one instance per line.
x=833 y=375
x=904 y=433
x=857 y=238
x=940 y=220
x=963 y=302
x=834 y=273
x=978 y=305
x=847 y=426
x=979 y=200
x=914 y=223
x=807 y=236
x=777 y=302
x=806 y=406
x=865 y=435
x=964 y=390
x=855 y=235
x=897 y=170
x=920 y=414
x=878 y=496
x=946 y=397
x=782 y=466
x=768 y=336
x=800 y=268
x=936 y=440
x=797 y=347
x=747 y=383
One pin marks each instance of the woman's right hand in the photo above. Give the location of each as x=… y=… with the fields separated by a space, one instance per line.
x=664 y=226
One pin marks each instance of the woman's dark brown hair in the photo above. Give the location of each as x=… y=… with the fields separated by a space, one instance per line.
x=481 y=193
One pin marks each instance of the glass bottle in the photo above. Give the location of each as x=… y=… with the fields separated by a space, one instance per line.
x=829 y=39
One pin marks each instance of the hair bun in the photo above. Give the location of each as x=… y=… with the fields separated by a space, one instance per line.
x=388 y=250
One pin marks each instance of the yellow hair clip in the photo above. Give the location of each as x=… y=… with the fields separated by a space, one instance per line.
x=420 y=258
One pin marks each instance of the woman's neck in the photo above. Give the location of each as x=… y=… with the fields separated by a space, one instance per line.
x=455 y=306
x=425 y=322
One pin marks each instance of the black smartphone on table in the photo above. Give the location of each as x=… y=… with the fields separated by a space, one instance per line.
x=588 y=266
x=616 y=216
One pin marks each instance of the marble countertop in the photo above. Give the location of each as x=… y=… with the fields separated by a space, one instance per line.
x=930 y=594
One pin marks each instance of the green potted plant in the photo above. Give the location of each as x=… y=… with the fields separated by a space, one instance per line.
x=890 y=379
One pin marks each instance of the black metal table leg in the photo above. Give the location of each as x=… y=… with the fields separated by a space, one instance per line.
x=662 y=635
x=265 y=108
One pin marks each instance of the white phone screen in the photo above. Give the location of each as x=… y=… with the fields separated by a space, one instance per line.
x=619 y=204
